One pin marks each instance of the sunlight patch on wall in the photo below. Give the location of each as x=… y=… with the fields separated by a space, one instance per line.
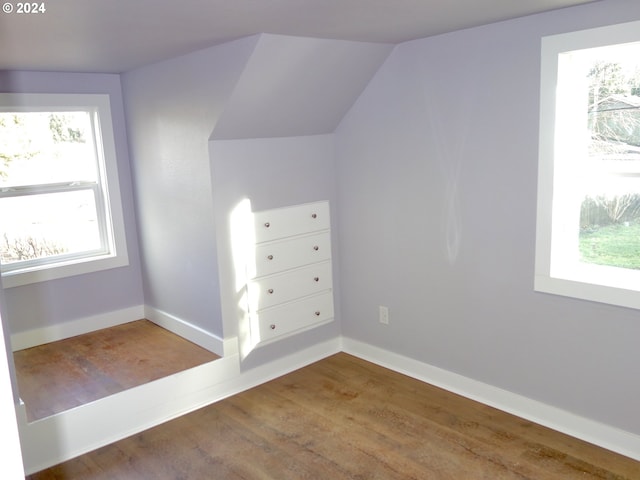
x=243 y=239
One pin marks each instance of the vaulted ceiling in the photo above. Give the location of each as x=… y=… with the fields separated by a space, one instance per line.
x=119 y=35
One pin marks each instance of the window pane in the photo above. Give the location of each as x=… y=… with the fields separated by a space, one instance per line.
x=60 y=207
x=40 y=226
x=610 y=230
x=610 y=194
x=46 y=147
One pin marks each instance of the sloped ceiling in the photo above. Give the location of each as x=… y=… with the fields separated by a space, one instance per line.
x=114 y=36
x=295 y=86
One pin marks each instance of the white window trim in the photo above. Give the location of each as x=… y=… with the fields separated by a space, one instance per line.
x=593 y=282
x=79 y=266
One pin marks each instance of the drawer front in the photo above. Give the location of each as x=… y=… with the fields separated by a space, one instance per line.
x=288 y=221
x=285 y=319
x=275 y=257
x=280 y=288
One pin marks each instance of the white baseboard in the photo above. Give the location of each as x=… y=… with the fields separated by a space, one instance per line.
x=60 y=437
x=611 y=438
x=197 y=335
x=66 y=435
x=53 y=333
x=190 y=332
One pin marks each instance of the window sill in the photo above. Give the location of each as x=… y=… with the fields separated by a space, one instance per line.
x=587 y=291
x=69 y=269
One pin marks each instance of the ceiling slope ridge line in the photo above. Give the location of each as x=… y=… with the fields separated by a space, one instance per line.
x=297 y=86
x=233 y=90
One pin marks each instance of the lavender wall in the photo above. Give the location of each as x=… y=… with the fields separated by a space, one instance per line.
x=57 y=301
x=437 y=169
x=172 y=108
x=253 y=88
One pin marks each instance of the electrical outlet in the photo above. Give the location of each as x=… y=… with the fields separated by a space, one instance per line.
x=383 y=313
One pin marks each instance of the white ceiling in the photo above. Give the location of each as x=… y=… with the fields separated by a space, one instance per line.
x=118 y=35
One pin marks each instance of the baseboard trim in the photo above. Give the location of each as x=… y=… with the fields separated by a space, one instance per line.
x=605 y=436
x=191 y=332
x=53 y=333
x=61 y=437
x=64 y=436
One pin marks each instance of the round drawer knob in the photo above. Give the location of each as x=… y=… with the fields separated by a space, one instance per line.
x=272 y=326
x=270 y=291
x=316 y=247
x=313 y=215
x=269 y=257
x=267 y=224
x=316 y=279
x=317 y=313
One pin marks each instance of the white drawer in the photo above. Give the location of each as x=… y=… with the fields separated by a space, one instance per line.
x=288 y=221
x=284 y=319
x=280 y=288
x=295 y=252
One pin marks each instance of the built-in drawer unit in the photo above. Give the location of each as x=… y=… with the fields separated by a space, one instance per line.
x=277 y=256
x=289 y=221
x=285 y=319
x=267 y=291
x=291 y=290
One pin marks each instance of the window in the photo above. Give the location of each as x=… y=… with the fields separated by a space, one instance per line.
x=588 y=231
x=60 y=205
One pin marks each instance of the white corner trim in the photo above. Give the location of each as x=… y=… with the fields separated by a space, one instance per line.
x=230 y=346
x=193 y=333
x=58 y=438
x=63 y=436
x=60 y=331
x=611 y=438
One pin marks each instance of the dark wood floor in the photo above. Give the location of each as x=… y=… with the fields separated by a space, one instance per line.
x=61 y=375
x=344 y=418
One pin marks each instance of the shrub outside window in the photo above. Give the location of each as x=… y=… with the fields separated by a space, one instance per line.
x=59 y=196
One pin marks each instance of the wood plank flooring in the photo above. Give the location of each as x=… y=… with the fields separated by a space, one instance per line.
x=344 y=418
x=61 y=375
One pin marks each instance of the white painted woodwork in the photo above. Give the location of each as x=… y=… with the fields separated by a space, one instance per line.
x=269 y=291
x=288 y=221
x=274 y=257
x=291 y=288
x=283 y=320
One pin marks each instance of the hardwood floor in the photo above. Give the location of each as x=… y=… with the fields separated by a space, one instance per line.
x=345 y=418
x=61 y=375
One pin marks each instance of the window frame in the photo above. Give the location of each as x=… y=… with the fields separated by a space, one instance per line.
x=611 y=285
x=113 y=253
